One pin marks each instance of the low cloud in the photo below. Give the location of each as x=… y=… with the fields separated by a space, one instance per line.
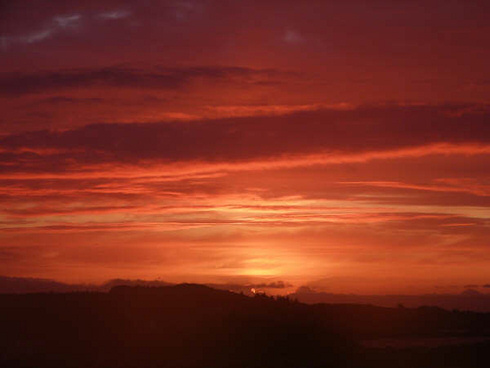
x=247 y=287
x=270 y=285
x=15 y=84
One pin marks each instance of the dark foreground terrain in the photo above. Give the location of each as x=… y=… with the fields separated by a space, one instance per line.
x=196 y=326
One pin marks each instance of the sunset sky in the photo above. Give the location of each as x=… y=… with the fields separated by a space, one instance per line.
x=343 y=145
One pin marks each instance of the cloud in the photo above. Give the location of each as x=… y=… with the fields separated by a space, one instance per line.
x=37 y=36
x=114 y=14
x=305 y=290
x=246 y=287
x=57 y=24
x=129 y=282
x=270 y=285
x=305 y=138
x=15 y=84
x=293 y=37
x=440 y=185
x=67 y=21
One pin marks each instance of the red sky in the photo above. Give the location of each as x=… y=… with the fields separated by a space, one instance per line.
x=340 y=145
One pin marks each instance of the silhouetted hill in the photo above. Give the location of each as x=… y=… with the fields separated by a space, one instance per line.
x=130 y=282
x=195 y=326
x=22 y=285
x=12 y=285
x=468 y=300
x=471 y=300
x=180 y=326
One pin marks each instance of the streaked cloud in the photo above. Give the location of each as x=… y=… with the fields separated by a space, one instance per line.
x=58 y=24
x=293 y=37
x=14 y=84
x=67 y=21
x=114 y=14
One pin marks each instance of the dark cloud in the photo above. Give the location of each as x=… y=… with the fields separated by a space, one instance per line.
x=70 y=100
x=246 y=287
x=354 y=131
x=128 y=282
x=14 y=84
x=271 y=285
x=305 y=290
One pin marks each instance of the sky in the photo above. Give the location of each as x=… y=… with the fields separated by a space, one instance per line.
x=342 y=146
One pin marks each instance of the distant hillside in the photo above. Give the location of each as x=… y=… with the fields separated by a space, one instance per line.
x=13 y=285
x=470 y=300
x=180 y=326
x=22 y=285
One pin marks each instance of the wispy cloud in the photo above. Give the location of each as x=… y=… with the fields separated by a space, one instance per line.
x=67 y=21
x=114 y=14
x=14 y=84
x=293 y=37
x=457 y=186
x=58 y=24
